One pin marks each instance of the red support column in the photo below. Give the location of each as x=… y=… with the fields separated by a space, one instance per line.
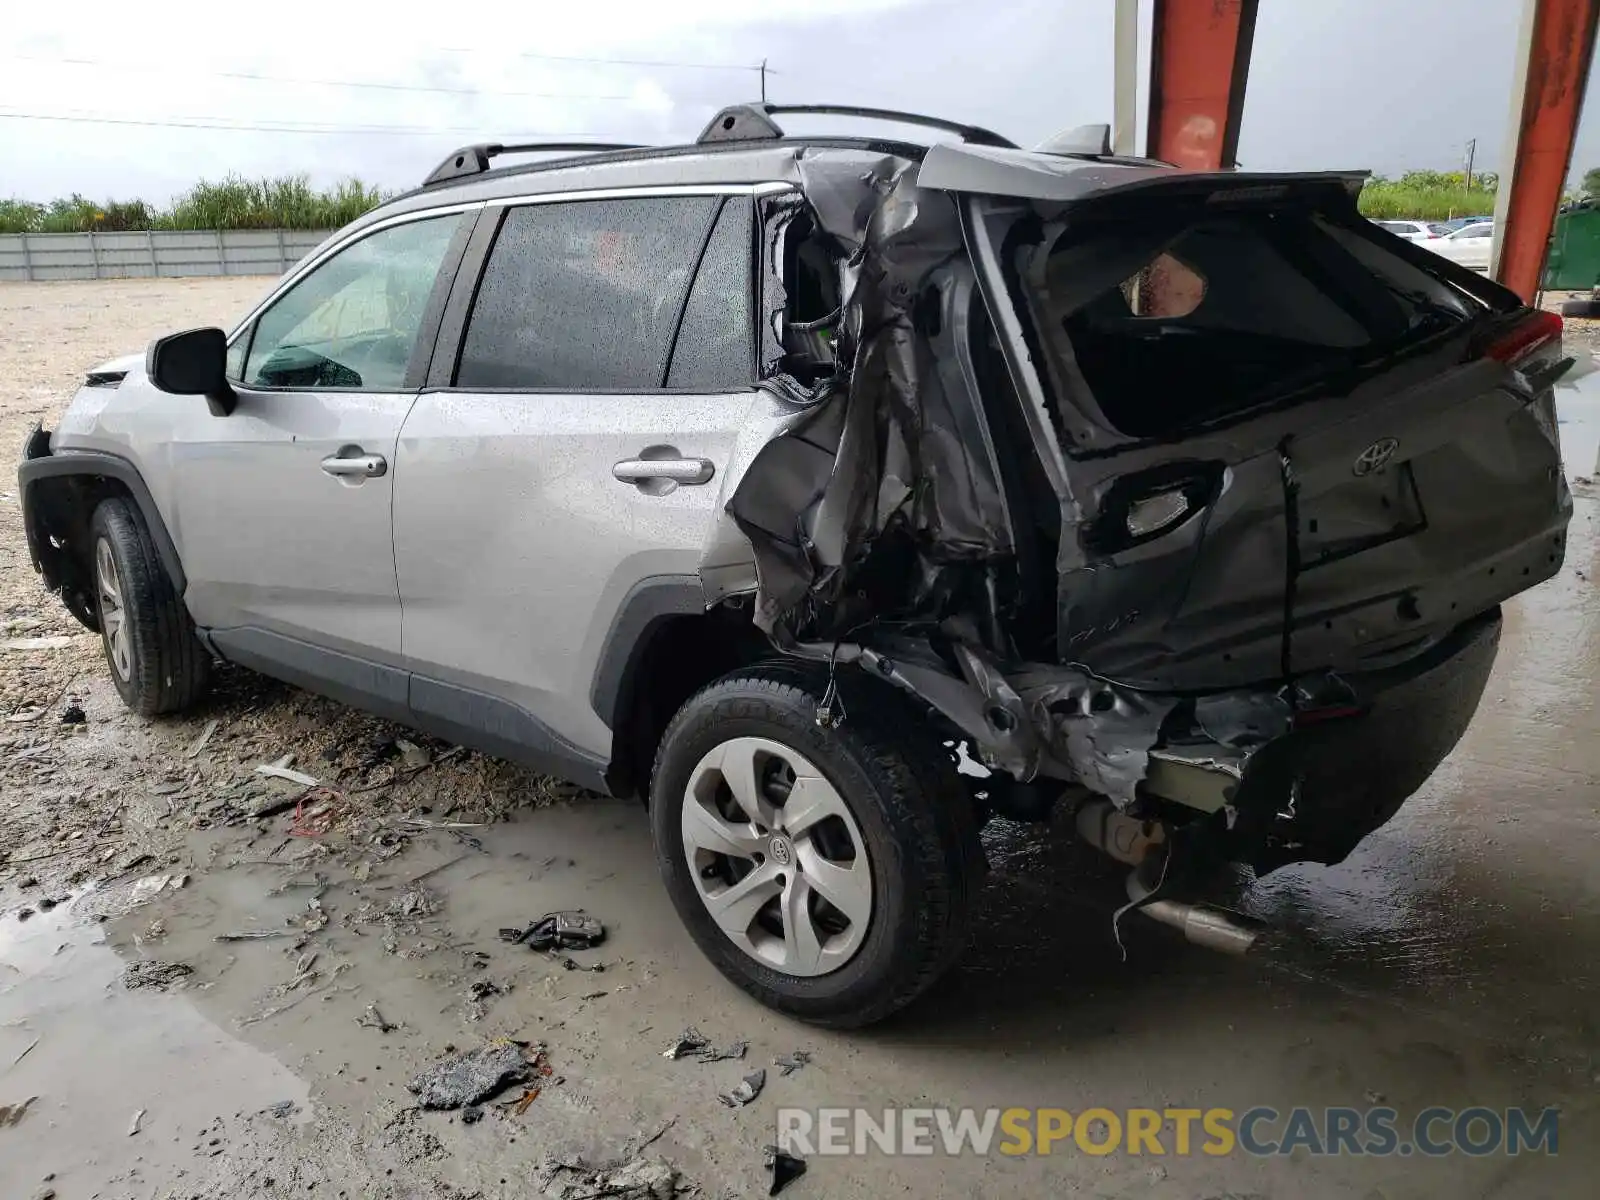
x=1557 y=46
x=1199 y=59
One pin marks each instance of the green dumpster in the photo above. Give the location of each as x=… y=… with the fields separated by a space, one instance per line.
x=1574 y=262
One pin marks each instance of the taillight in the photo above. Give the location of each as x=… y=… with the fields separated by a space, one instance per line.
x=1538 y=331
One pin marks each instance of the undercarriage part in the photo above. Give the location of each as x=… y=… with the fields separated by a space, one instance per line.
x=985 y=708
x=1204 y=778
x=1124 y=838
x=1029 y=803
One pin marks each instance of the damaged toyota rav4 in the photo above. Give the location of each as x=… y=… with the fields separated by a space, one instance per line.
x=773 y=478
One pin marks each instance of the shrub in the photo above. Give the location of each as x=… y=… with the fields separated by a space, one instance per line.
x=289 y=202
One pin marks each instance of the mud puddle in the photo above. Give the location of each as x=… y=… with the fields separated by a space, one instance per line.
x=129 y=1089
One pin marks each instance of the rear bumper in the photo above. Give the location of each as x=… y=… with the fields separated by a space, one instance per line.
x=1354 y=773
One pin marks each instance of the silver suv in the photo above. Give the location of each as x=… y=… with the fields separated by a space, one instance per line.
x=772 y=479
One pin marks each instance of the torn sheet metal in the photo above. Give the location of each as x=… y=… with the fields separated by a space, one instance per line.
x=887 y=447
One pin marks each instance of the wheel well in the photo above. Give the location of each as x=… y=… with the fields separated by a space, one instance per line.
x=62 y=506
x=677 y=656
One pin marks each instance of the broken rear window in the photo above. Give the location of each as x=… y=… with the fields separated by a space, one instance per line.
x=1194 y=314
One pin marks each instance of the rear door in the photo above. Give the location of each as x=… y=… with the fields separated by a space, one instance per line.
x=282 y=507
x=592 y=397
x=1290 y=443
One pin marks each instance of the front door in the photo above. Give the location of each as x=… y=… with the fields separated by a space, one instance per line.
x=283 y=507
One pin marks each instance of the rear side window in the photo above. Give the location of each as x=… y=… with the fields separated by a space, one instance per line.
x=1173 y=322
x=584 y=295
x=714 y=350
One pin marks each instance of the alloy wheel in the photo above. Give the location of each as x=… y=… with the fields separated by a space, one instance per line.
x=113 y=616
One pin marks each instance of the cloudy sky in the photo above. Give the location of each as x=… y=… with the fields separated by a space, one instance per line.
x=119 y=100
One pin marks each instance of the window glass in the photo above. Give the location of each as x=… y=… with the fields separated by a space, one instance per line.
x=353 y=321
x=583 y=294
x=713 y=350
x=1192 y=314
x=234 y=368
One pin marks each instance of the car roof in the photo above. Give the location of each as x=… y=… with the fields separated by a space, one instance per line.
x=744 y=145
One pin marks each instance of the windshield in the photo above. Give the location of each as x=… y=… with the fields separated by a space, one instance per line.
x=1195 y=314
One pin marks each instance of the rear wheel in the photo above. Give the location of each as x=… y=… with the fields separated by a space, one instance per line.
x=828 y=872
x=157 y=663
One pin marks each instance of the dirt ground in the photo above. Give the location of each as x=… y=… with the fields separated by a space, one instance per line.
x=1450 y=961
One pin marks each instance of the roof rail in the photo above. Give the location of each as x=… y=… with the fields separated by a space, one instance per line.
x=474 y=160
x=753 y=122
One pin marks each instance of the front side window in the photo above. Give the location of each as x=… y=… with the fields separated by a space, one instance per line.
x=585 y=295
x=353 y=321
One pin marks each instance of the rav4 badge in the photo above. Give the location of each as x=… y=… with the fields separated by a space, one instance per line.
x=1376 y=456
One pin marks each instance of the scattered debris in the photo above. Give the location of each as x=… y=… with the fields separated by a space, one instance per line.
x=282 y=770
x=282 y=1109
x=471 y=1114
x=785 y=1168
x=73 y=714
x=636 y=1179
x=51 y=642
x=749 y=1088
x=315 y=812
x=411 y=754
x=253 y=935
x=790 y=1063
x=559 y=931
x=200 y=742
x=26 y=1050
x=479 y=991
x=10 y=1114
x=46 y=903
x=475 y=1076
x=373 y=1019
x=691 y=1043
x=133 y=1125
x=154 y=973
x=528 y=1096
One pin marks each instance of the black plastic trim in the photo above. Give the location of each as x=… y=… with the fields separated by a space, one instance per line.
x=498 y=727
x=447 y=710
x=39 y=462
x=649 y=602
x=463 y=292
x=433 y=311
x=375 y=687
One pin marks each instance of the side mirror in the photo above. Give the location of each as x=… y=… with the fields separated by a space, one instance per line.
x=193 y=363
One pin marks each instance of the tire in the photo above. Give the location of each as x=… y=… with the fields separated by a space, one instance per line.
x=157 y=663
x=1587 y=307
x=895 y=807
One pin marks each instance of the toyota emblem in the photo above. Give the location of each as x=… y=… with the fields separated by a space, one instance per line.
x=1376 y=456
x=779 y=849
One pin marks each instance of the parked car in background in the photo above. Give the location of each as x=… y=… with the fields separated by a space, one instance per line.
x=1455 y=223
x=1469 y=246
x=1413 y=231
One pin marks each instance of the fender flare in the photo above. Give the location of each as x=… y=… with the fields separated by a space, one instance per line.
x=40 y=464
x=654 y=599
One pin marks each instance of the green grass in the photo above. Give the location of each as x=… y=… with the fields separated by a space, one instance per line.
x=289 y=202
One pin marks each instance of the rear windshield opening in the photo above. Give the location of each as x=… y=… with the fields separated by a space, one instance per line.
x=1200 y=314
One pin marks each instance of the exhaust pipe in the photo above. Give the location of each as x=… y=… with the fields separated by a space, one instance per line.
x=1132 y=841
x=1206 y=927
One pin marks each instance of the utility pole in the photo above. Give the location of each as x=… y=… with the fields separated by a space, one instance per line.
x=1472 y=149
x=763 y=81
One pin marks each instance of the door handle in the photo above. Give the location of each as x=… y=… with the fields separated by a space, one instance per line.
x=362 y=466
x=687 y=471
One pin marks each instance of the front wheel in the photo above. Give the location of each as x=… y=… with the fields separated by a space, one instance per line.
x=157 y=663
x=827 y=872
